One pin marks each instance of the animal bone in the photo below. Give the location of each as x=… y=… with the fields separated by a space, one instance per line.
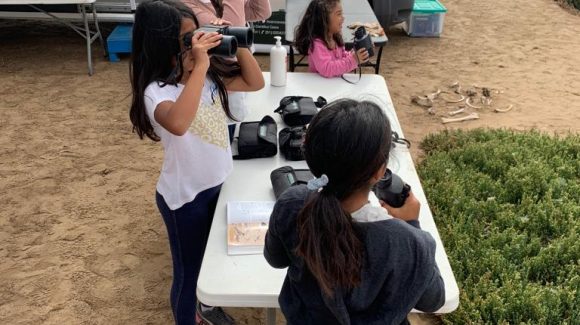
x=472 y=116
x=456 y=86
x=431 y=111
x=471 y=92
x=499 y=110
x=461 y=110
x=467 y=102
x=422 y=101
x=434 y=95
x=452 y=100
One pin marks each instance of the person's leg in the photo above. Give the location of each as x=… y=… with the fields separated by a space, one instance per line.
x=188 y=230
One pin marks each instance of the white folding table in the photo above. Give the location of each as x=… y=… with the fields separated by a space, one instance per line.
x=248 y=280
x=89 y=35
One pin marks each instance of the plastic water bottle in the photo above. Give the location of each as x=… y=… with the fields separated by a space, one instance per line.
x=278 y=64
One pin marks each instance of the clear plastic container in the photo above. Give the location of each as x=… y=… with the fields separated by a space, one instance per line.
x=426 y=19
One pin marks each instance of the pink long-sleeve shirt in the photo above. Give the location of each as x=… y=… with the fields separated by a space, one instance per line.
x=238 y=12
x=330 y=63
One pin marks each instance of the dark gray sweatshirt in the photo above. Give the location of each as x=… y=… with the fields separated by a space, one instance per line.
x=399 y=272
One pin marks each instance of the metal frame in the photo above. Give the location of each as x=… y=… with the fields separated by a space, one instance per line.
x=85 y=32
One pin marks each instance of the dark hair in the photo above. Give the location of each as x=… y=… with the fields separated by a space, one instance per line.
x=314 y=24
x=348 y=141
x=155 y=48
x=219 y=7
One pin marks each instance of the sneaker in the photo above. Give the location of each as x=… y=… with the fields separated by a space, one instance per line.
x=214 y=316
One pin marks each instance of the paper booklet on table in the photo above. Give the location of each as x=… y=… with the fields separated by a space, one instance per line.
x=247 y=226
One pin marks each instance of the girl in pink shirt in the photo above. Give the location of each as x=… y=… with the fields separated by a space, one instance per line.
x=319 y=35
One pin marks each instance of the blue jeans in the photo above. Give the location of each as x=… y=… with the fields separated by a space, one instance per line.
x=231 y=130
x=188 y=229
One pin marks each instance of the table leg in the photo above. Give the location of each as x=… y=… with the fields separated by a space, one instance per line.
x=270 y=316
x=378 y=63
x=88 y=38
x=96 y=22
x=291 y=59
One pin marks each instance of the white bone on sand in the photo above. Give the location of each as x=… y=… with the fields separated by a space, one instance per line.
x=467 y=102
x=451 y=100
x=500 y=110
x=461 y=110
x=472 y=116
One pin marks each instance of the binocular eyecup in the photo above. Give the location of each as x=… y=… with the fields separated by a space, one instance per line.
x=232 y=38
x=392 y=190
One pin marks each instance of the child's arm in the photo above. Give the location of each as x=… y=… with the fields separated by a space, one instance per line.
x=257 y=10
x=274 y=251
x=251 y=78
x=176 y=117
x=327 y=65
x=204 y=12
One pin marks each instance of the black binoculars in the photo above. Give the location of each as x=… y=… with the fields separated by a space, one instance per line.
x=392 y=189
x=284 y=177
x=362 y=39
x=232 y=38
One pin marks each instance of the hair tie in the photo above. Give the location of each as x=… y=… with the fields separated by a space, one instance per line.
x=317 y=183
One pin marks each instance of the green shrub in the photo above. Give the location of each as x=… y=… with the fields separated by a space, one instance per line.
x=507 y=205
x=575 y=3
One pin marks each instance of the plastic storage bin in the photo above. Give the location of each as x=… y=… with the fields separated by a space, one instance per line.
x=426 y=19
x=119 y=41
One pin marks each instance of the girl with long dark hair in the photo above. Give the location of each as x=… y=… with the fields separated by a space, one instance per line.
x=180 y=99
x=319 y=36
x=350 y=262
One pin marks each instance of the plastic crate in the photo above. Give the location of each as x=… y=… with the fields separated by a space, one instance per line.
x=119 y=41
x=426 y=19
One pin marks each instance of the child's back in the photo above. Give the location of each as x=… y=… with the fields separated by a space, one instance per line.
x=350 y=262
x=399 y=271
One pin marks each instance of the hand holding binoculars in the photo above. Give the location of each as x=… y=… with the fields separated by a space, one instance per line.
x=233 y=37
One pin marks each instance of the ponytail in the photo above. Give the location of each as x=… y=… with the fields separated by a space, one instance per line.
x=329 y=241
x=329 y=244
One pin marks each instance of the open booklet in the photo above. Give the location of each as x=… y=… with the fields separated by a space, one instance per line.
x=247 y=226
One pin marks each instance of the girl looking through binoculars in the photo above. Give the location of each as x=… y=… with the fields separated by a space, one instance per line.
x=180 y=98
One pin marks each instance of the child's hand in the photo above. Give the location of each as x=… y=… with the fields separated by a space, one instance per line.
x=202 y=42
x=362 y=54
x=408 y=212
x=220 y=22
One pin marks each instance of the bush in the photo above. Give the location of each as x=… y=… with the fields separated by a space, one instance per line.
x=575 y=3
x=507 y=206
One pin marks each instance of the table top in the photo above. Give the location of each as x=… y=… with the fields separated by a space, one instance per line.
x=44 y=2
x=248 y=280
x=353 y=10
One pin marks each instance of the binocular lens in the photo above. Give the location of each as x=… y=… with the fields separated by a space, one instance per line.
x=227 y=47
x=244 y=35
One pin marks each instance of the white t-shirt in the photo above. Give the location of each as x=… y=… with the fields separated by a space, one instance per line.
x=370 y=213
x=238 y=108
x=201 y=158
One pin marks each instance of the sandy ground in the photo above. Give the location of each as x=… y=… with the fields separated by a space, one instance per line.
x=81 y=241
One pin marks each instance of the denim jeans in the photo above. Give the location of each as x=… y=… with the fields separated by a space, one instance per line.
x=188 y=229
x=231 y=130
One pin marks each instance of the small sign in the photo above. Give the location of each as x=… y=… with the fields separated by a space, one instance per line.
x=264 y=31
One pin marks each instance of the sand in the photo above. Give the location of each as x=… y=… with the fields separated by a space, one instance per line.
x=81 y=240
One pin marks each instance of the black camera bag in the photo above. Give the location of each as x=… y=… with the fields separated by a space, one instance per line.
x=284 y=177
x=299 y=110
x=257 y=139
x=291 y=140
